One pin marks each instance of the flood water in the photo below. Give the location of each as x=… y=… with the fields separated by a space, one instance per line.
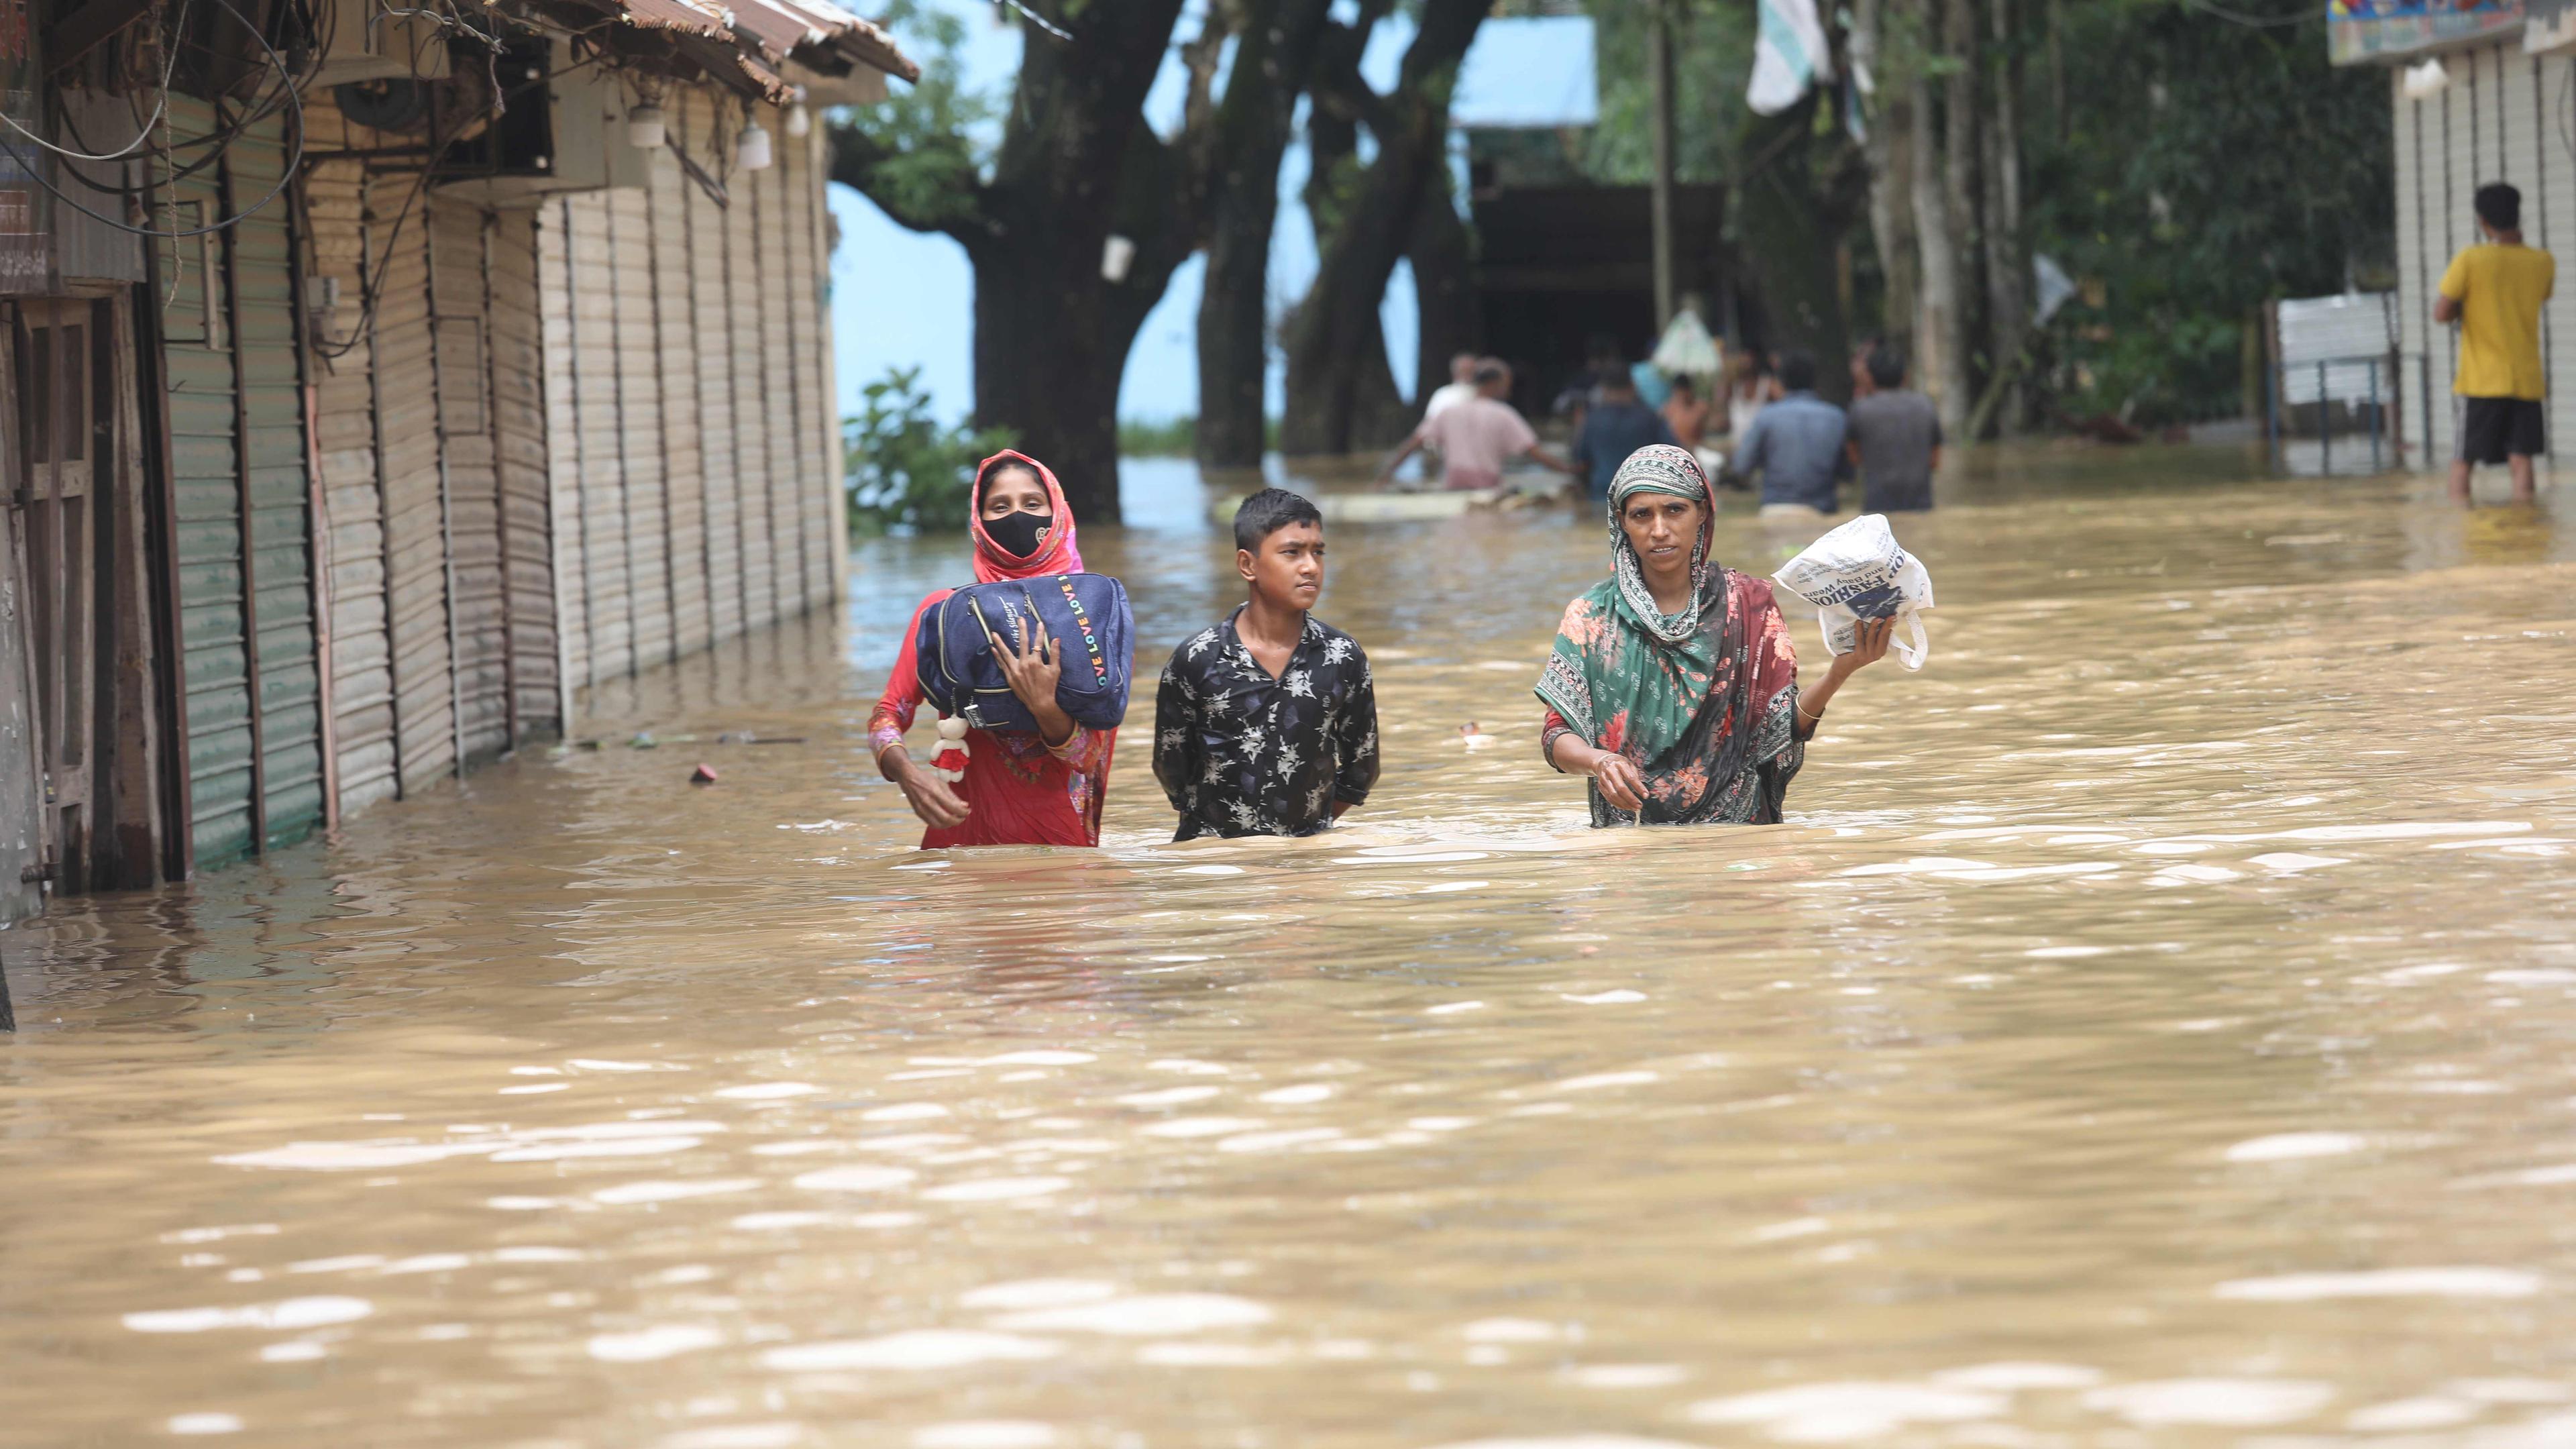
x=2156 y=1025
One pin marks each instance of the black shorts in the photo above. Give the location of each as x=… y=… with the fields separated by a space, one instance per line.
x=2493 y=429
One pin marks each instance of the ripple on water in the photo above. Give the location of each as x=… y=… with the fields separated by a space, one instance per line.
x=2232 y=1403
x=649 y=1345
x=985 y=1434
x=1145 y=1315
x=2385 y=1283
x=291 y=1313
x=856 y=1179
x=1836 y=1413
x=2290 y=1146
x=920 y=1348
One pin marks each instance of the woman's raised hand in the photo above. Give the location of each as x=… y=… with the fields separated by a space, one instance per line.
x=1033 y=675
x=1620 y=781
x=1869 y=645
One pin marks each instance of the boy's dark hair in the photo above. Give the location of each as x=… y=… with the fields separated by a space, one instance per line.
x=1887 y=365
x=2499 y=206
x=1615 y=379
x=1267 y=512
x=1488 y=371
x=1798 y=370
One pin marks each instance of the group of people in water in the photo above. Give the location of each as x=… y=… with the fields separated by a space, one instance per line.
x=1672 y=687
x=1781 y=435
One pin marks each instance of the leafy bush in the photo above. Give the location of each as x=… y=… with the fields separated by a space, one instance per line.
x=905 y=470
x=1172 y=438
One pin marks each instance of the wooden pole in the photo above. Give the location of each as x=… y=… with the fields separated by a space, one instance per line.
x=1659 y=62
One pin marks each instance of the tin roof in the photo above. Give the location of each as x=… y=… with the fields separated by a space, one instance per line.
x=822 y=42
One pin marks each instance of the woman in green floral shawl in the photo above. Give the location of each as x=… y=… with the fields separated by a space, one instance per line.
x=1673 y=684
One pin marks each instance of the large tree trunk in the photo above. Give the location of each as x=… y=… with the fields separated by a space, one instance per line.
x=2007 y=269
x=1271 y=64
x=1444 y=283
x=1889 y=154
x=1941 y=341
x=1334 y=402
x=1077 y=164
x=1791 y=245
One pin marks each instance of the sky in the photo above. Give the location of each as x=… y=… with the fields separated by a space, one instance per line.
x=904 y=299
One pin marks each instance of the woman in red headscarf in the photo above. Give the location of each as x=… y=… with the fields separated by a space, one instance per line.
x=1021 y=787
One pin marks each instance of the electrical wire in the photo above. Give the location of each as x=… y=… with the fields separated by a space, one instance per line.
x=143 y=129
x=1040 y=21
x=219 y=140
x=370 y=280
x=286 y=173
x=2255 y=22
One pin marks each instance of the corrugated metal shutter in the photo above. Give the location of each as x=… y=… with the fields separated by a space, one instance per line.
x=606 y=552
x=675 y=380
x=416 y=581
x=772 y=222
x=519 y=430
x=208 y=516
x=336 y=202
x=235 y=405
x=639 y=432
x=561 y=357
x=760 y=553
x=694 y=468
x=470 y=477
x=819 y=430
x=288 y=677
x=719 y=449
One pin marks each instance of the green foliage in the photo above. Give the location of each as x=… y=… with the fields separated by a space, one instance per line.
x=905 y=469
x=1172 y=438
x=1712 y=56
x=2205 y=167
x=928 y=132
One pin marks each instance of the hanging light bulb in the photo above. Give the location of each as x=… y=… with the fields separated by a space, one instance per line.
x=644 y=128
x=751 y=148
x=798 y=122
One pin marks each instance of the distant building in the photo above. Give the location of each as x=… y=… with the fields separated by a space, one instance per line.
x=1563 y=261
x=427 y=367
x=2478 y=93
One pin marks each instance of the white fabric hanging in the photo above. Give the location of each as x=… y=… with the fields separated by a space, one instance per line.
x=1686 y=349
x=1789 y=55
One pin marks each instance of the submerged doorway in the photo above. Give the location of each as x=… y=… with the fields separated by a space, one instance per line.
x=83 y=672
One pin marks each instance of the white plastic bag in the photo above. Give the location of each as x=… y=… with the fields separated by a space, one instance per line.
x=1859 y=571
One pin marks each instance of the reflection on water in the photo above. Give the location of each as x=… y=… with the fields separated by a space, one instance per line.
x=2153 y=1027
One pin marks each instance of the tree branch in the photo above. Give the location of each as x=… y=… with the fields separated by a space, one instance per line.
x=894 y=179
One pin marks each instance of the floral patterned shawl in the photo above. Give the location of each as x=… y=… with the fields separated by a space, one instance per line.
x=1704 y=700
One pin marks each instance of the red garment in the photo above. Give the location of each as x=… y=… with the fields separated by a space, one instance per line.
x=1018 y=791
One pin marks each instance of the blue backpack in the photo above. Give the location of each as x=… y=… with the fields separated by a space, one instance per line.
x=1085 y=614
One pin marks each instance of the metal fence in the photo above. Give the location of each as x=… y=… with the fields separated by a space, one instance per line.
x=2360 y=397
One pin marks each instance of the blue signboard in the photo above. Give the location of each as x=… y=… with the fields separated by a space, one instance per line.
x=2359 y=31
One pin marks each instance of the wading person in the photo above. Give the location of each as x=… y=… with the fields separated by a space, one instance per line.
x=1266 y=724
x=1618 y=423
x=2494 y=291
x=1673 y=685
x=1895 y=438
x=1477 y=437
x=1795 y=445
x=1041 y=787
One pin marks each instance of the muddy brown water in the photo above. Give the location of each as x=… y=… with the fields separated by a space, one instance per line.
x=2156 y=1025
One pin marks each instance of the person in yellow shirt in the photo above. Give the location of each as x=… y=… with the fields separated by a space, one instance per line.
x=2494 y=291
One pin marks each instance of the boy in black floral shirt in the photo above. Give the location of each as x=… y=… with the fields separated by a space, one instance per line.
x=1267 y=723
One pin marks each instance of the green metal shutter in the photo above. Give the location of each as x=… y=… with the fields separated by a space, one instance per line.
x=280 y=488
x=208 y=514
x=210 y=439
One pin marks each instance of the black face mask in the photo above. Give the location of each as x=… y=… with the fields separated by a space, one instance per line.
x=1017 y=533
